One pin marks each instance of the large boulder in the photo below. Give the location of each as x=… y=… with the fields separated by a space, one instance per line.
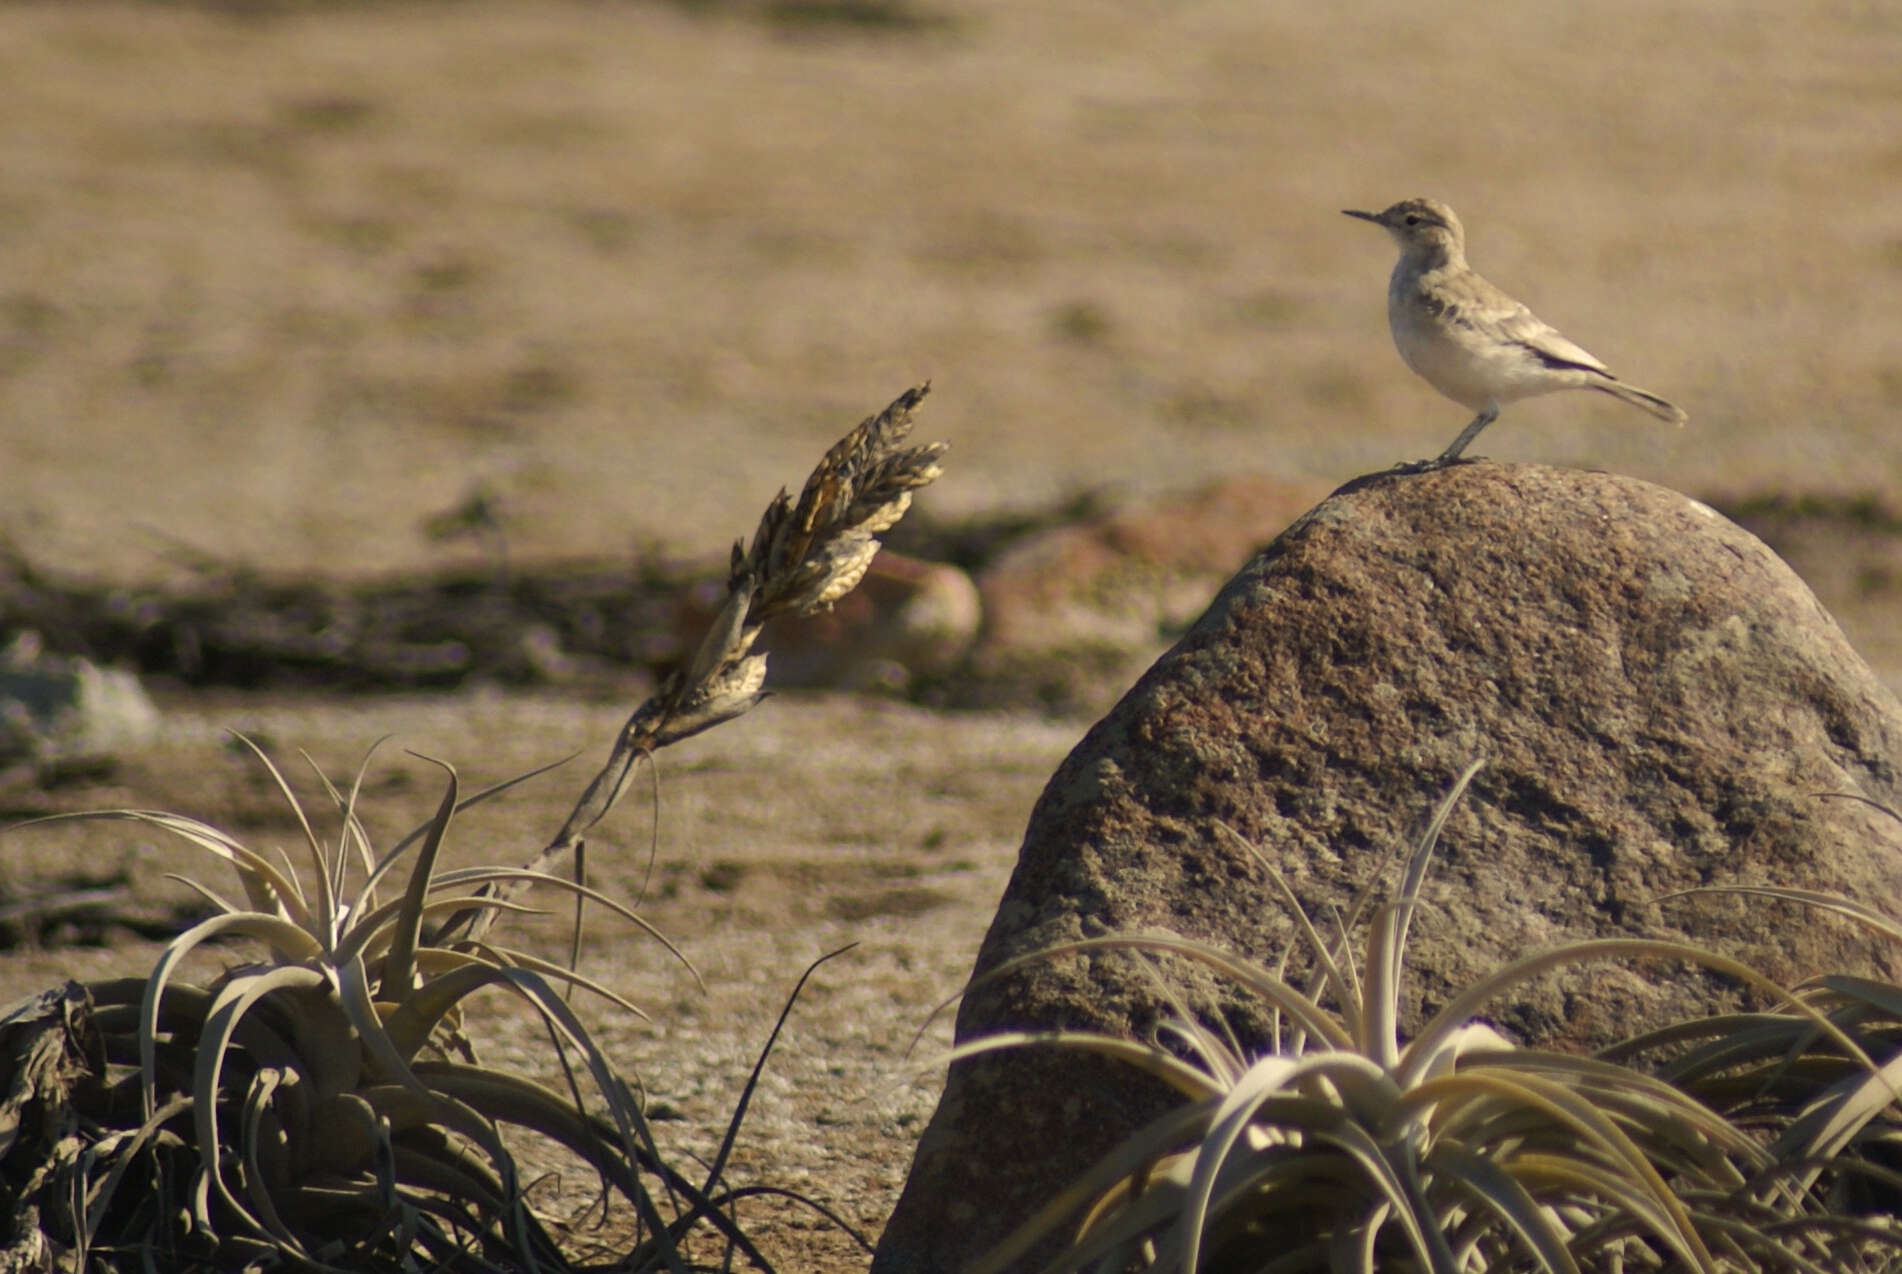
x=1661 y=704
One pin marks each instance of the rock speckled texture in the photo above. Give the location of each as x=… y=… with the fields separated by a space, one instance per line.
x=1662 y=705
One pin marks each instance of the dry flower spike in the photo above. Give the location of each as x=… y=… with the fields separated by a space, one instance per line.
x=805 y=555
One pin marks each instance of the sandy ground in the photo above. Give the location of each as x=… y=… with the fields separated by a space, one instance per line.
x=279 y=288
x=276 y=289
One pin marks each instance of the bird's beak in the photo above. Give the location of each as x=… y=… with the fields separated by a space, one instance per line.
x=1364 y=216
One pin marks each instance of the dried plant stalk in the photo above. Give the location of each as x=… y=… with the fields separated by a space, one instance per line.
x=805 y=555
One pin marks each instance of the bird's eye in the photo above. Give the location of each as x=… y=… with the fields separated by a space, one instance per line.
x=1413 y=218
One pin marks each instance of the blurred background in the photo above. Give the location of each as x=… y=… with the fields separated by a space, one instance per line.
x=282 y=281
x=347 y=292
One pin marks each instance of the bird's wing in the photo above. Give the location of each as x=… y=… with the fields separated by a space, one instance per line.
x=1522 y=327
x=1489 y=309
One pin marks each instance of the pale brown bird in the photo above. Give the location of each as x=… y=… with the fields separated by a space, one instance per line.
x=1471 y=341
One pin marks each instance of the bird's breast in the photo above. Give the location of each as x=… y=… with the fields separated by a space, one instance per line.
x=1440 y=344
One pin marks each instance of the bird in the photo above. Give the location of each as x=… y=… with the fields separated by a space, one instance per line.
x=1471 y=341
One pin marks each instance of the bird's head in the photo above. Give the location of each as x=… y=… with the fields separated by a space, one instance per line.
x=1425 y=229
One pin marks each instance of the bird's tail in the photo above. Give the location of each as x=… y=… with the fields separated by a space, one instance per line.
x=1649 y=401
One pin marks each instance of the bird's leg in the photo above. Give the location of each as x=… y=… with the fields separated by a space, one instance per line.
x=1487 y=415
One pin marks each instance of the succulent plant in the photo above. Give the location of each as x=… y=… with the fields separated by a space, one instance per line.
x=1345 y=1148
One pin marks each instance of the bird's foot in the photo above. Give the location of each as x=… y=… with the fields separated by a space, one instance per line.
x=1435 y=464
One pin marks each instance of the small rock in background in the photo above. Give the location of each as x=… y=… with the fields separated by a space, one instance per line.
x=1073 y=614
x=907 y=620
x=57 y=711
